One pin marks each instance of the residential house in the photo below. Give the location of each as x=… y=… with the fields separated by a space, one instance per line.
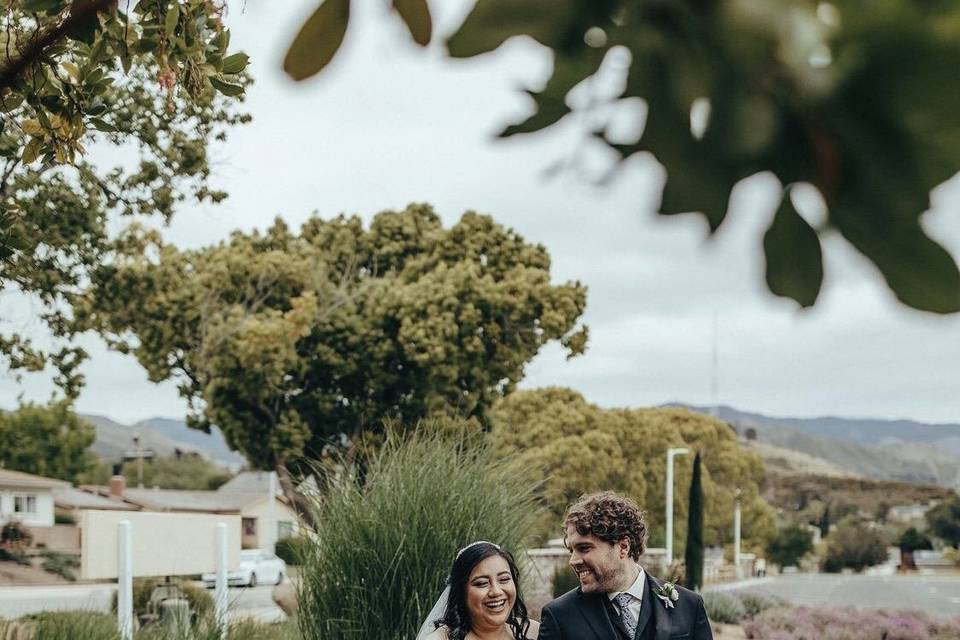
x=27 y=498
x=264 y=520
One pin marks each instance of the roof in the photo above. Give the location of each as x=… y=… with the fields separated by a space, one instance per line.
x=180 y=500
x=249 y=482
x=79 y=499
x=20 y=480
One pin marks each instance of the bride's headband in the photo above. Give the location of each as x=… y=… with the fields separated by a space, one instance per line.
x=473 y=544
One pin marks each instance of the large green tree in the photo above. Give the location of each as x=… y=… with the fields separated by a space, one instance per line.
x=49 y=441
x=289 y=342
x=943 y=521
x=818 y=93
x=577 y=447
x=152 y=77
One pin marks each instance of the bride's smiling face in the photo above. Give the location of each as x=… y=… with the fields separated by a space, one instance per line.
x=491 y=593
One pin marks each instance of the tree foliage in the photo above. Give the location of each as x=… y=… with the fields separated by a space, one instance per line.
x=577 y=447
x=291 y=341
x=49 y=441
x=693 y=554
x=943 y=521
x=854 y=545
x=190 y=471
x=790 y=545
x=912 y=540
x=813 y=93
x=156 y=78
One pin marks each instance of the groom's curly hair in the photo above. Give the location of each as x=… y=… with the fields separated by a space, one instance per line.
x=611 y=518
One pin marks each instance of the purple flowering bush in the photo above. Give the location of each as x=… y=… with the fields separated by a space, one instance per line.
x=848 y=623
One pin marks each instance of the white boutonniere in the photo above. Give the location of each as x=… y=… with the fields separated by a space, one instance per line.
x=667 y=592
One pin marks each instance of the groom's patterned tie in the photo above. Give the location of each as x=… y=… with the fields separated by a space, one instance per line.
x=622 y=601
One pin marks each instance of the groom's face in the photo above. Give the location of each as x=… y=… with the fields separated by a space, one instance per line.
x=601 y=567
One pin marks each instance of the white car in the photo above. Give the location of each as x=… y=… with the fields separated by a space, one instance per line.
x=257 y=566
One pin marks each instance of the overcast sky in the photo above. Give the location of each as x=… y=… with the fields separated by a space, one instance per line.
x=389 y=124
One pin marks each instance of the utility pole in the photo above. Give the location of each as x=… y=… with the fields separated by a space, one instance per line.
x=736 y=536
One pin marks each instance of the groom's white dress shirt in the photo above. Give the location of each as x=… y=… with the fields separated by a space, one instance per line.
x=635 y=590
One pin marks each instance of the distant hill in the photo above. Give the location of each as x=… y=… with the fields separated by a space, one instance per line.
x=901 y=450
x=162 y=435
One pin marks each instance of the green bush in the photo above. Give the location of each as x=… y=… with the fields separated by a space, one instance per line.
x=754 y=603
x=387 y=539
x=790 y=545
x=64 y=518
x=855 y=546
x=70 y=625
x=724 y=607
x=291 y=549
x=201 y=602
x=83 y=625
x=564 y=579
x=62 y=564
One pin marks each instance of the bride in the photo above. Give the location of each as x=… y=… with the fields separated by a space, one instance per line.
x=482 y=601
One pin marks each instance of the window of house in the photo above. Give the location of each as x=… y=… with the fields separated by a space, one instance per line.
x=25 y=504
x=284 y=529
x=249 y=526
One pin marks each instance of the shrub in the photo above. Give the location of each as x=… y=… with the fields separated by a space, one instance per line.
x=854 y=546
x=837 y=623
x=62 y=564
x=291 y=549
x=64 y=518
x=14 y=555
x=70 y=625
x=754 y=603
x=14 y=535
x=387 y=539
x=789 y=545
x=564 y=579
x=724 y=607
x=201 y=602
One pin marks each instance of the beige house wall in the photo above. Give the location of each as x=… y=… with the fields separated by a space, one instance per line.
x=269 y=523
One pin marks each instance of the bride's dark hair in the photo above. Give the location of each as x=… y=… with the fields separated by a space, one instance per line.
x=457 y=617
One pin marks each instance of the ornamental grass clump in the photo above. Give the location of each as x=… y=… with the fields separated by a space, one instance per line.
x=387 y=537
x=754 y=603
x=723 y=607
x=847 y=623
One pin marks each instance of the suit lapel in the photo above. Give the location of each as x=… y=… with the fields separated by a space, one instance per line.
x=661 y=614
x=646 y=604
x=595 y=613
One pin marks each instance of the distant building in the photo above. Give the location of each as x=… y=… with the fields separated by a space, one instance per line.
x=27 y=498
x=908 y=512
x=264 y=520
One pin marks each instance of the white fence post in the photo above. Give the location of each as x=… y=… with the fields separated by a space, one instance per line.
x=220 y=591
x=124 y=581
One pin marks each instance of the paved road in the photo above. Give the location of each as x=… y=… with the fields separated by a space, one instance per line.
x=939 y=595
x=17 y=601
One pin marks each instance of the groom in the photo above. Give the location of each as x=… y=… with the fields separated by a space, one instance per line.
x=617 y=599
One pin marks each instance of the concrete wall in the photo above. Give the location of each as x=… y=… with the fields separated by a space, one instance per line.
x=59 y=537
x=43 y=515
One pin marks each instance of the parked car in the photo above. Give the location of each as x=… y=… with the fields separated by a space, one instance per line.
x=257 y=566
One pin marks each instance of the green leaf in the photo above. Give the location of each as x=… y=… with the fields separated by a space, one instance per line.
x=45 y=6
x=102 y=125
x=10 y=101
x=32 y=151
x=172 y=19
x=551 y=104
x=318 y=40
x=416 y=14
x=794 y=256
x=226 y=88
x=235 y=64
x=492 y=22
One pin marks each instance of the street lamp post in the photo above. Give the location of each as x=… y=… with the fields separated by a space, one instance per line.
x=670 y=454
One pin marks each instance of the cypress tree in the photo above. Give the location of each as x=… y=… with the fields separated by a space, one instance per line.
x=693 y=556
x=825 y=521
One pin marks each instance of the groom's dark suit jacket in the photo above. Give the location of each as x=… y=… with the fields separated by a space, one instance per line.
x=580 y=616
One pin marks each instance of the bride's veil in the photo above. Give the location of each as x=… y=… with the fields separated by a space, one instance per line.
x=435 y=614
